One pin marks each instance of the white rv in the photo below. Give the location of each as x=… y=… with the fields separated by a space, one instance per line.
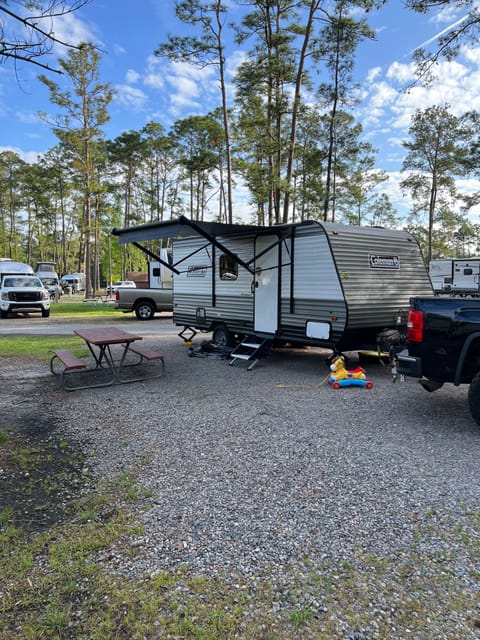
x=466 y=279
x=311 y=283
x=160 y=273
x=456 y=276
x=441 y=274
x=76 y=281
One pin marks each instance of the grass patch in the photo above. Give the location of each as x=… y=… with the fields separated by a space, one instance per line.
x=41 y=347
x=84 y=310
x=59 y=585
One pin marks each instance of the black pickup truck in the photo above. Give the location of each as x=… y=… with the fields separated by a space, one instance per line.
x=443 y=345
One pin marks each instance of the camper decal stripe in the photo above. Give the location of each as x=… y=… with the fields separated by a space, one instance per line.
x=383 y=262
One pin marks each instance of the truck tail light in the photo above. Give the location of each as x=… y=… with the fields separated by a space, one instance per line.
x=415 y=326
x=117 y=294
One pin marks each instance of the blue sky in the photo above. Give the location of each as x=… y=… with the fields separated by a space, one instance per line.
x=150 y=88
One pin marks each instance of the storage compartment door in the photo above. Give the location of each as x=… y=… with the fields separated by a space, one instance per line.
x=266 y=284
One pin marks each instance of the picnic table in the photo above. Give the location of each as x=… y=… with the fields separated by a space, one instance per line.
x=100 y=341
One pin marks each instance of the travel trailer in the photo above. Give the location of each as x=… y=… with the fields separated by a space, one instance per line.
x=441 y=274
x=76 y=281
x=456 y=276
x=311 y=283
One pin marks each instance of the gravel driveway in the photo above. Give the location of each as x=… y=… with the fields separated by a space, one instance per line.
x=271 y=465
x=268 y=469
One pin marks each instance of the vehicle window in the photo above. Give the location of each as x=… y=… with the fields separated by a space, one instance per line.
x=19 y=282
x=228 y=268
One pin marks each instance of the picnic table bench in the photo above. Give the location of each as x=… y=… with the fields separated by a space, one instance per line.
x=109 y=370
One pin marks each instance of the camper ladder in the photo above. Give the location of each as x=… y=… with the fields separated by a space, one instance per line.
x=252 y=348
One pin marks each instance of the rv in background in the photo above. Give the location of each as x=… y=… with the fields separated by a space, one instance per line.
x=459 y=277
x=76 y=282
x=441 y=275
x=49 y=277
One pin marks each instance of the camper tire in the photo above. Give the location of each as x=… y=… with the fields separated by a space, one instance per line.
x=144 y=310
x=474 y=398
x=222 y=336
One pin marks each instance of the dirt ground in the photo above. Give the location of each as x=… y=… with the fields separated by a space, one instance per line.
x=41 y=473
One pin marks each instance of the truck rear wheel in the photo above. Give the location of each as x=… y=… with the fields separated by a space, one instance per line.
x=144 y=310
x=474 y=398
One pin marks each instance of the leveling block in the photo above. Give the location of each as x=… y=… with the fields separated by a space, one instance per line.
x=342 y=377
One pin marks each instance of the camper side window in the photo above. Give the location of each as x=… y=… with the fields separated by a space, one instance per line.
x=228 y=268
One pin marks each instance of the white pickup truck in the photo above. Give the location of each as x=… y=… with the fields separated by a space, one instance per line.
x=23 y=294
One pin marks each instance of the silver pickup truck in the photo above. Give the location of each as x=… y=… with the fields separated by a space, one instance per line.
x=144 y=302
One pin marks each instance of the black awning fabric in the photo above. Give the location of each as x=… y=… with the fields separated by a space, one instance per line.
x=182 y=227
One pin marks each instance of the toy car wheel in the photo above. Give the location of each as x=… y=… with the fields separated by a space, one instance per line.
x=474 y=398
x=369 y=385
x=336 y=385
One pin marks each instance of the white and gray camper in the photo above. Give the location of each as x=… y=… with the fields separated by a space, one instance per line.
x=456 y=276
x=311 y=283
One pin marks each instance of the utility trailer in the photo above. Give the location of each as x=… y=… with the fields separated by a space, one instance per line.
x=312 y=283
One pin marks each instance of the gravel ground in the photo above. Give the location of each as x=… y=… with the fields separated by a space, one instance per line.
x=261 y=471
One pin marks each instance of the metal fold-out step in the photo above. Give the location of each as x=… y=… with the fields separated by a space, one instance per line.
x=251 y=349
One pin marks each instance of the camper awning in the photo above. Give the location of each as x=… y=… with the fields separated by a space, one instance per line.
x=183 y=227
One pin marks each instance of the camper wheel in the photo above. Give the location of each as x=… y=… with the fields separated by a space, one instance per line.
x=222 y=336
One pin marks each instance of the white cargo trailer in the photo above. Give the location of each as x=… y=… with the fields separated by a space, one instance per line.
x=311 y=283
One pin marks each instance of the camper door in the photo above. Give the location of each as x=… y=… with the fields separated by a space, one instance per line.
x=266 y=284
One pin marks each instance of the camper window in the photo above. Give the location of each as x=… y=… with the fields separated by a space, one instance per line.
x=228 y=268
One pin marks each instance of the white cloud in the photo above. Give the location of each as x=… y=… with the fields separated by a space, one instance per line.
x=71 y=29
x=373 y=74
x=401 y=73
x=27 y=156
x=132 y=76
x=28 y=117
x=131 y=97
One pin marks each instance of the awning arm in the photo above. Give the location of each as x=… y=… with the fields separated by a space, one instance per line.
x=155 y=257
x=212 y=239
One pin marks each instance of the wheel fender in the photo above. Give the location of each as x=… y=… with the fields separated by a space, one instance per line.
x=463 y=354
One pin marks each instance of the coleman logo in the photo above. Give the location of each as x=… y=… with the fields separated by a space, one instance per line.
x=197 y=271
x=383 y=262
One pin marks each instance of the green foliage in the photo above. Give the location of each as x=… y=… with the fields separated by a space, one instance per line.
x=290 y=136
